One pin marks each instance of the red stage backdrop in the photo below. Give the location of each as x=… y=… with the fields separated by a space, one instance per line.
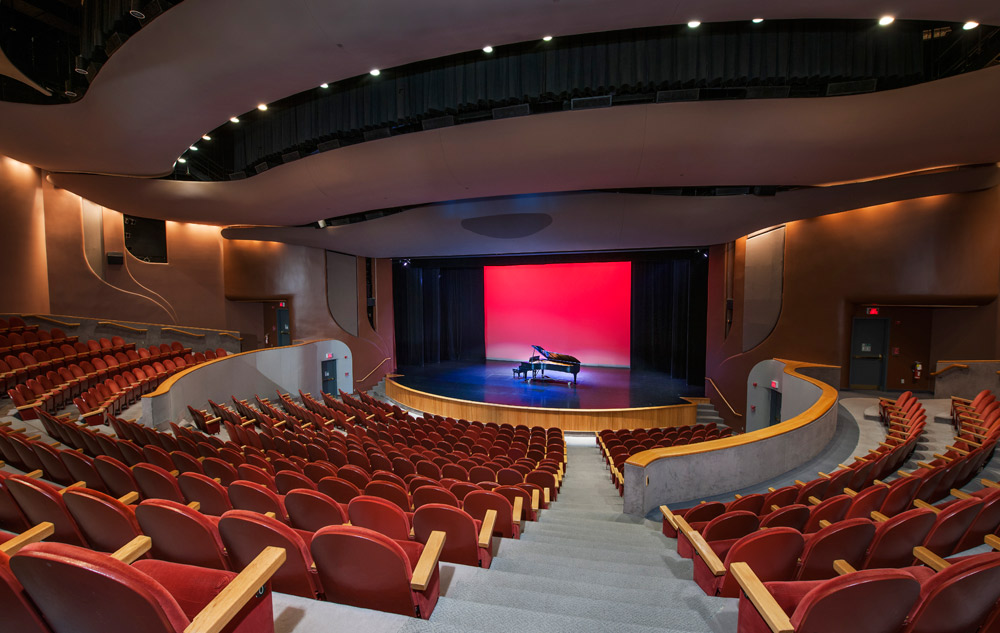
x=579 y=309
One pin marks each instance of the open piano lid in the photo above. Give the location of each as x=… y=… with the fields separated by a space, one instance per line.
x=558 y=358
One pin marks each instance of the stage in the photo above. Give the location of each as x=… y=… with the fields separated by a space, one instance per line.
x=603 y=397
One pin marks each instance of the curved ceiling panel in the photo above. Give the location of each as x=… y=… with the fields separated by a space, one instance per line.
x=756 y=142
x=202 y=62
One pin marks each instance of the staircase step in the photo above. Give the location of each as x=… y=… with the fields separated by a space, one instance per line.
x=583 y=556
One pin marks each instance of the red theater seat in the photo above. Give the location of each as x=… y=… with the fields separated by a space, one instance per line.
x=468 y=542
x=210 y=494
x=311 y=510
x=246 y=533
x=106 y=522
x=181 y=534
x=41 y=502
x=773 y=554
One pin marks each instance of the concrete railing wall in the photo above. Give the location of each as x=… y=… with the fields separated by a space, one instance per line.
x=966 y=380
x=261 y=372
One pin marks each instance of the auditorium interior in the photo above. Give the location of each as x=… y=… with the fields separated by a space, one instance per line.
x=454 y=316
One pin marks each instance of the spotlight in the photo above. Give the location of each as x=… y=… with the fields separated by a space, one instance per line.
x=406 y=262
x=321 y=224
x=968 y=26
x=182 y=160
x=68 y=91
x=206 y=137
x=262 y=107
x=694 y=24
x=886 y=20
x=487 y=49
x=234 y=119
x=547 y=38
x=80 y=65
x=324 y=85
x=374 y=72
x=757 y=20
x=193 y=148
x=136 y=10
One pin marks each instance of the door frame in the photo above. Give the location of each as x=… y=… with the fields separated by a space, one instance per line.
x=883 y=353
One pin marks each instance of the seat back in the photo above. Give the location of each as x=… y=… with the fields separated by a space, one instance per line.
x=210 y=494
x=772 y=554
x=390 y=491
x=832 y=509
x=846 y=540
x=730 y=525
x=950 y=525
x=40 y=501
x=288 y=480
x=461 y=543
x=878 y=598
x=246 y=534
x=363 y=568
x=704 y=512
x=750 y=503
x=340 y=490
x=957 y=599
x=181 y=534
x=355 y=475
x=986 y=522
x=901 y=495
x=478 y=502
x=794 y=516
x=379 y=515
x=117 y=477
x=311 y=510
x=157 y=483
x=216 y=468
x=248 y=495
x=434 y=494
x=106 y=522
x=867 y=501
x=19 y=613
x=895 y=539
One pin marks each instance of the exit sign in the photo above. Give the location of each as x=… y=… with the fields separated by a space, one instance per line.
x=872 y=311
x=774 y=384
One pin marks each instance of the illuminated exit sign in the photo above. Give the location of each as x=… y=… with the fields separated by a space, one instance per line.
x=872 y=311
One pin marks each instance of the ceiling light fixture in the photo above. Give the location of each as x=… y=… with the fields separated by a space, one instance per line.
x=886 y=20
x=136 y=10
x=374 y=72
x=757 y=20
x=693 y=24
x=68 y=91
x=487 y=49
x=262 y=107
x=80 y=65
x=547 y=38
x=182 y=160
x=968 y=26
x=324 y=85
x=233 y=119
x=206 y=137
x=193 y=148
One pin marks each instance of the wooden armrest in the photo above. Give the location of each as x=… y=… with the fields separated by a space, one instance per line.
x=842 y=567
x=195 y=505
x=55 y=444
x=546 y=493
x=217 y=480
x=824 y=523
x=957 y=399
x=799 y=483
x=271 y=515
x=35 y=474
x=904 y=473
x=768 y=608
x=131 y=551
x=33 y=437
x=75 y=484
x=930 y=559
x=518 y=515
x=486 y=533
x=534 y=500
x=976 y=444
x=926 y=465
x=32 y=535
x=823 y=475
x=428 y=562
x=887 y=445
x=707 y=555
x=991 y=539
x=130 y=498
x=960 y=451
x=879 y=517
x=737 y=496
x=917 y=503
x=214 y=617
x=30 y=405
x=815 y=501
x=989 y=484
x=850 y=493
x=669 y=516
x=958 y=494
x=774 y=507
x=278 y=425
x=944 y=457
x=771 y=489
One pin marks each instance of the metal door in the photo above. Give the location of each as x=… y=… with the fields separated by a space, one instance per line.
x=869 y=353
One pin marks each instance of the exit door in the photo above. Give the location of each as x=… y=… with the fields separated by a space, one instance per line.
x=775 y=413
x=284 y=327
x=330 y=377
x=869 y=353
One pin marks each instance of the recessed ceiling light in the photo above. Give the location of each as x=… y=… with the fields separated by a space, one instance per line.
x=374 y=72
x=193 y=148
x=968 y=26
x=206 y=137
x=886 y=20
x=757 y=20
x=234 y=119
x=487 y=49
x=262 y=107
x=547 y=38
x=182 y=160
x=694 y=24
x=324 y=85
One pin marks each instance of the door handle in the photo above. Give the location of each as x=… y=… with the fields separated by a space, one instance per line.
x=870 y=357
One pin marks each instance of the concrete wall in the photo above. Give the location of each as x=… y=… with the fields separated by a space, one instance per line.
x=261 y=372
x=737 y=462
x=966 y=382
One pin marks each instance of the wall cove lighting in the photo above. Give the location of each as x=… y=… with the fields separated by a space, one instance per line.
x=206 y=137
x=694 y=24
x=262 y=107
x=233 y=119
x=968 y=26
x=374 y=72
x=324 y=85
x=757 y=20
x=886 y=20
x=487 y=49
x=547 y=38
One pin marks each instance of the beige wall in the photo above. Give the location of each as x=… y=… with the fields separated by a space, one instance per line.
x=22 y=239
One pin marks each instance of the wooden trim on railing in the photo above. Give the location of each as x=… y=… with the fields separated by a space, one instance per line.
x=173 y=329
x=949 y=368
x=122 y=326
x=373 y=370
x=50 y=320
x=233 y=336
x=826 y=400
x=719 y=391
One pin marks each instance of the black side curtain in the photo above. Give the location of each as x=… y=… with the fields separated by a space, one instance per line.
x=439 y=314
x=668 y=317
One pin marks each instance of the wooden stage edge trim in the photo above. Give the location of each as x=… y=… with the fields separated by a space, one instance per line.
x=588 y=420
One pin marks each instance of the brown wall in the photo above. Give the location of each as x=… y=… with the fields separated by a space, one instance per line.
x=207 y=281
x=939 y=251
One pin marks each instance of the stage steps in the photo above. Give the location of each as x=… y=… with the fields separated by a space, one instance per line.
x=707 y=412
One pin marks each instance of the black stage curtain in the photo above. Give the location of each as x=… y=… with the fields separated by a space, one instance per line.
x=669 y=300
x=439 y=314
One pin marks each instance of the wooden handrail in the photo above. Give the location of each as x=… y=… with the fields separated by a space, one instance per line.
x=373 y=370
x=949 y=368
x=173 y=329
x=122 y=326
x=721 y=395
x=238 y=338
x=50 y=320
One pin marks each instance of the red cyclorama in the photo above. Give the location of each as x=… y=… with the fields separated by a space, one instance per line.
x=579 y=309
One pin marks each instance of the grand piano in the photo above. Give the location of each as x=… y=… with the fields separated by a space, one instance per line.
x=548 y=361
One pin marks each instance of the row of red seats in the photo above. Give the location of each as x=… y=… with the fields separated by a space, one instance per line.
x=15 y=324
x=27 y=341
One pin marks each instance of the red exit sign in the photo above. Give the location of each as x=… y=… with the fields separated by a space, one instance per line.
x=872 y=311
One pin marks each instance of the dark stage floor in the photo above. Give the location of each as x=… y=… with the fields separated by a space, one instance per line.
x=596 y=388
